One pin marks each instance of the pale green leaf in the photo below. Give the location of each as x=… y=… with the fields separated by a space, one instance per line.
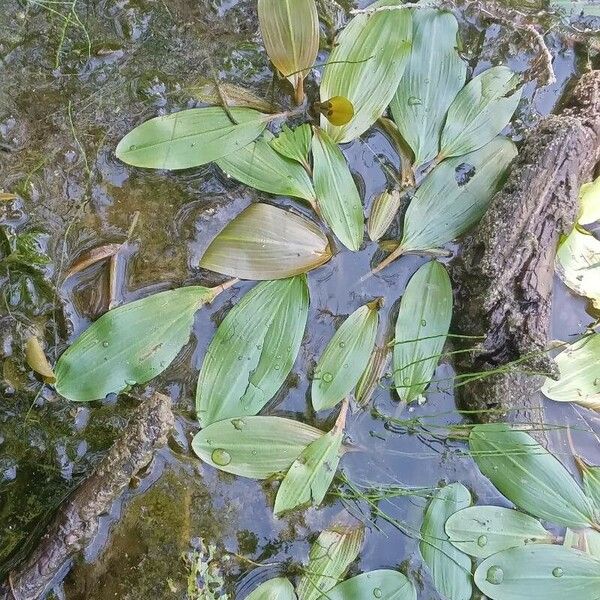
x=421 y=329
x=130 y=344
x=294 y=143
x=274 y=589
x=589 y=203
x=382 y=584
x=592 y=541
x=434 y=76
x=253 y=351
x=578 y=8
x=572 y=539
x=366 y=65
x=529 y=476
x=255 y=447
x=450 y=568
x=481 y=531
x=384 y=209
x=591 y=483
x=337 y=196
x=539 y=571
x=266 y=242
x=480 y=111
x=345 y=357
x=190 y=137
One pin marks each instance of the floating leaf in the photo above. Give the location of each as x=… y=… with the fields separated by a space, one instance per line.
x=421 y=329
x=480 y=111
x=385 y=207
x=450 y=568
x=589 y=203
x=93 y=256
x=255 y=447
x=579 y=374
x=382 y=584
x=337 y=196
x=369 y=380
x=294 y=144
x=206 y=90
x=434 y=76
x=539 y=571
x=481 y=531
x=591 y=482
x=274 y=589
x=309 y=478
x=338 y=110
x=261 y=167
x=37 y=360
x=345 y=357
x=290 y=30
x=253 y=351
x=130 y=344
x=529 y=476
x=190 y=137
x=266 y=242
x=366 y=65
x=329 y=558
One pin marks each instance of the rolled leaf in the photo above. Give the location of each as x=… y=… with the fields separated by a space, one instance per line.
x=255 y=447
x=366 y=66
x=481 y=531
x=579 y=374
x=434 y=76
x=382 y=584
x=421 y=330
x=450 y=568
x=480 y=111
x=539 y=571
x=337 y=196
x=385 y=207
x=345 y=357
x=37 y=360
x=290 y=30
x=190 y=138
x=265 y=242
x=369 y=380
x=274 y=589
x=294 y=144
x=253 y=351
x=529 y=476
x=93 y=256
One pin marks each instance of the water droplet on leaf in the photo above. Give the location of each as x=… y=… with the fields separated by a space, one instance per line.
x=220 y=457
x=495 y=575
x=105 y=344
x=377 y=593
x=558 y=572
x=327 y=377
x=482 y=541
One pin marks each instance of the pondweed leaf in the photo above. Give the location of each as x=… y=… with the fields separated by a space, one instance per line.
x=261 y=167
x=206 y=91
x=434 y=76
x=37 y=360
x=450 y=568
x=294 y=144
x=384 y=209
x=329 y=558
x=481 y=531
x=255 y=447
x=375 y=370
x=539 y=571
x=274 y=589
x=290 y=30
x=579 y=373
x=382 y=584
x=337 y=196
x=190 y=137
x=529 y=476
x=345 y=357
x=366 y=65
x=480 y=111
x=130 y=344
x=421 y=329
x=266 y=242
x=253 y=351
x=591 y=483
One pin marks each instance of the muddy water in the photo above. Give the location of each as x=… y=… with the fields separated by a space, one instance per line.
x=76 y=76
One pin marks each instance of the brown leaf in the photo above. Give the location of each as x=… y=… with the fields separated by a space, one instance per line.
x=36 y=359
x=91 y=257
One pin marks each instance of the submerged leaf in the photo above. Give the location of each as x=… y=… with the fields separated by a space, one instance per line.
x=366 y=66
x=480 y=111
x=421 y=329
x=190 y=138
x=206 y=90
x=130 y=344
x=382 y=584
x=274 y=589
x=7 y=196
x=369 y=380
x=345 y=357
x=539 y=571
x=37 y=360
x=337 y=197
x=266 y=242
x=253 y=351
x=434 y=76
x=384 y=209
x=255 y=447
x=481 y=531
x=529 y=476
x=93 y=256
x=294 y=144
x=450 y=568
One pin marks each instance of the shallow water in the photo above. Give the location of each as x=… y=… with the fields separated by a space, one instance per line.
x=64 y=104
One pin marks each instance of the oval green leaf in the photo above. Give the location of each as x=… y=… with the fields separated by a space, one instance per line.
x=275 y=589
x=255 y=447
x=190 y=137
x=384 y=209
x=529 y=476
x=382 y=584
x=539 y=571
x=253 y=351
x=266 y=242
x=421 y=329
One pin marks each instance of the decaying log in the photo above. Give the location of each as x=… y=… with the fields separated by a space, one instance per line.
x=504 y=275
x=78 y=519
